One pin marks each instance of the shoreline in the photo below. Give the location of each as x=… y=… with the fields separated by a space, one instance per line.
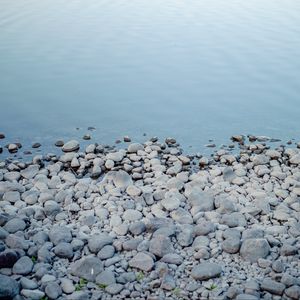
x=145 y=221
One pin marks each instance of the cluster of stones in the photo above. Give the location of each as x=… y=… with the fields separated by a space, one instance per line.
x=148 y=222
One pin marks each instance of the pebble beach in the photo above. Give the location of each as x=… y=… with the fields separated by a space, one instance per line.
x=147 y=221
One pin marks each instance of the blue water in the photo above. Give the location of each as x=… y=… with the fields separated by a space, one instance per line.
x=194 y=70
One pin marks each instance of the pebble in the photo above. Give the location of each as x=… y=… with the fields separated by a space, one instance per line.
x=205 y=271
x=142 y=261
x=71 y=146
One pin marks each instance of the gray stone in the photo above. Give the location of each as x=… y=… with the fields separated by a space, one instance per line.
x=234 y=219
x=59 y=234
x=160 y=246
x=87 y=267
x=53 y=290
x=79 y=295
x=114 y=289
x=121 y=179
x=168 y=282
x=67 y=285
x=137 y=227
x=135 y=147
x=172 y=258
x=185 y=236
x=30 y=171
x=64 y=250
x=51 y=208
x=11 y=196
x=182 y=216
x=23 y=266
x=97 y=241
x=231 y=245
x=252 y=233
x=204 y=227
x=106 y=277
x=33 y=294
x=253 y=249
x=246 y=297
x=71 y=146
x=142 y=261
x=14 y=225
x=204 y=201
x=293 y=292
x=132 y=215
x=106 y=252
x=205 y=271
x=28 y=284
x=9 y=287
x=272 y=286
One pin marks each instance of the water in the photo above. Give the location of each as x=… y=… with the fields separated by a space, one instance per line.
x=194 y=70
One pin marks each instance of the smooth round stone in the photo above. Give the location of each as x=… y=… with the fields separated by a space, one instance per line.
x=14 y=225
x=71 y=146
x=135 y=147
x=114 y=289
x=132 y=215
x=23 y=266
x=106 y=252
x=59 y=143
x=53 y=290
x=67 y=285
x=33 y=294
x=64 y=250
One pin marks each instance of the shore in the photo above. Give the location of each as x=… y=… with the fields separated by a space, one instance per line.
x=146 y=221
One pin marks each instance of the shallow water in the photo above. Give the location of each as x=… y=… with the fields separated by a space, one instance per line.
x=193 y=70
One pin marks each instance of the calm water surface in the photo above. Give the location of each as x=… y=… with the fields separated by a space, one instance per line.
x=194 y=70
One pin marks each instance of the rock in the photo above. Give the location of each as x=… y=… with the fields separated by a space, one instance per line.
x=132 y=215
x=14 y=225
x=142 y=261
x=121 y=179
x=8 y=258
x=13 y=148
x=64 y=250
x=106 y=252
x=246 y=297
x=28 y=284
x=114 y=289
x=51 y=208
x=133 y=191
x=67 y=285
x=137 y=228
x=97 y=241
x=53 y=290
x=272 y=286
x=30 y=172
x=23 y=266
x=36 y=145
x=135 y=147
x=11 y=196
x=172 y=200
x=59 y=143
x=293 y=292
x=59 y=234
x=71 y=146
x=204 y=227
x=33 y=294
x=204 y=201
x=172 y=258
x=9 y=287
x=87 y=267
x=106 y=278
x=205 y=271
x=181 y=216
x=160 y=246
x=234 y=219
x=253 y=249
x=168 y=282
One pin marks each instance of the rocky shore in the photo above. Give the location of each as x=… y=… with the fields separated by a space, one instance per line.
x=148 y=222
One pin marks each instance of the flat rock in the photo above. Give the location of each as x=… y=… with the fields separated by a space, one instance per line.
x=71 y=146
x=205 y=271
x=161 y=245
x=23 y=266
x=272 y=286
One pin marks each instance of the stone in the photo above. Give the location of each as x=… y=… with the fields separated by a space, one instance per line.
x=181 y=216
x=28 y=284
x=59 y=234
x=114 y=289
x=30 y=172
x=137 y=228
x=33 y=294
x=253 y=249
x=14 y=225
x=106 y=277
x=204 y=201
x=142 y=261
x=168 y=282
x=161 y=245
x=51 y=208
x=231 y=245
x=272 y=286
x=53 y=290
x=106 y=252
x=293 y=292
x=121 y=179
x=71 y=146
x=8 y=258
x=87 y=267
x=132 y=215
x=67 y=285
x=23 y=266
x=205 y=271
x=133 y=191
x=9 y=287
x=97 y=241
x=172 y=258
x=204 y=227
x=64 y=250
x=172 y=200
x=135 y=147
x=11 y=196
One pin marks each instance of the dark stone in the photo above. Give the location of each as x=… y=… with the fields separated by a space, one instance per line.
x=8 y=258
